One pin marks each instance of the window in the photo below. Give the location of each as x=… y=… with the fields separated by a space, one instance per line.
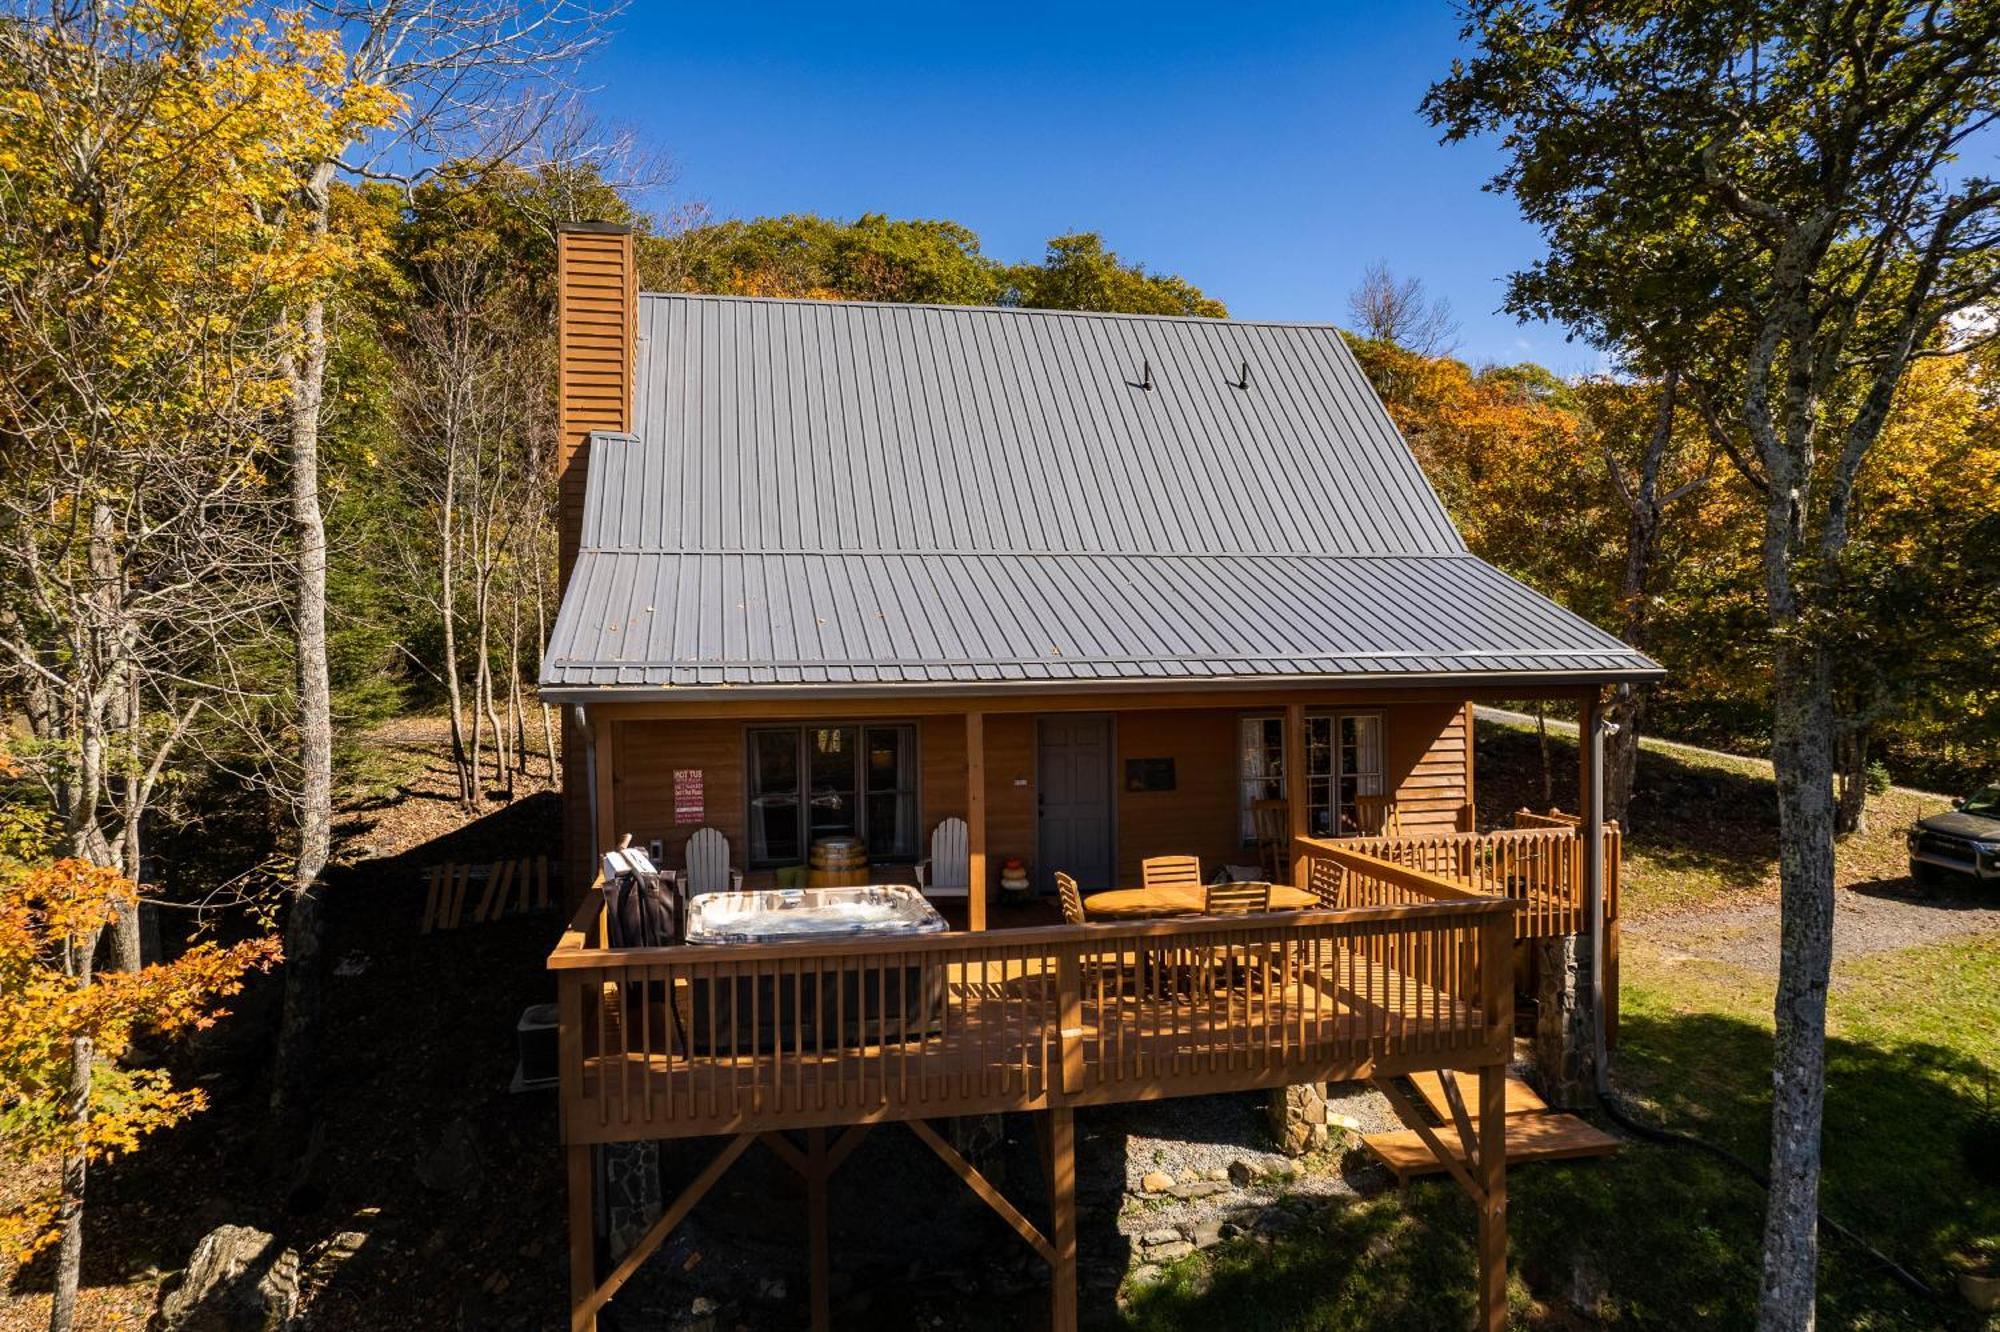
x=1261 y=767
x=809 y=782
x=1343 y=760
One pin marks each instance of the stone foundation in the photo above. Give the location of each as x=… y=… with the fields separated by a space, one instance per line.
x=632 y=1198
x=1562 y=1022
x=1298 y=1118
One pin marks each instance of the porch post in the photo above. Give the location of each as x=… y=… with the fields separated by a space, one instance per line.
x=582 y=1237
x=603 y=736
x=1493 y=1200
x=1295 y=778
x=1062 y=1218
x=975 y=817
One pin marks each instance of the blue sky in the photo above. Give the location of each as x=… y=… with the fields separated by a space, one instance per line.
x=1266 y=152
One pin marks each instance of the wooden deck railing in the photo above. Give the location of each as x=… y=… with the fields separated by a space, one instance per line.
x=1540 y=867
x=1410 y=971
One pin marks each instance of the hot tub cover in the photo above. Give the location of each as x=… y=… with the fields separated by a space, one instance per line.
x=782 y=914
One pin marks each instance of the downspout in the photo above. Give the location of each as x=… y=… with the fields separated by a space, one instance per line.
x=581 y=716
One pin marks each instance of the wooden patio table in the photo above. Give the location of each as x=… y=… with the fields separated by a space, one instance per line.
x=1179 y=900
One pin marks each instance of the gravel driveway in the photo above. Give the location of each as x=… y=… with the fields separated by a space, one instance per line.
x=1867 y=920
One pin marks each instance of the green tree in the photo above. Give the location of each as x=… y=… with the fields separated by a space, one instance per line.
x=1771 y=200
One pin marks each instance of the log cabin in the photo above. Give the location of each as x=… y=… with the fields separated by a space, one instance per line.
x=1079 y=589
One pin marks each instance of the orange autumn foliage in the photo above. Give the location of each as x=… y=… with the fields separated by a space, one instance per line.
x=51 y=1005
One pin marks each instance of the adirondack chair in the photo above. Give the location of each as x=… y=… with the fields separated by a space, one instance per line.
x=708 y=869
x=948 y=870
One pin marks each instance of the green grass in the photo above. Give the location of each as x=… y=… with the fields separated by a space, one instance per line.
x=1664 y=1237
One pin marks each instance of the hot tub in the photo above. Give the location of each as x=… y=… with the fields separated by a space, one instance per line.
x=783 y=915
x=853 y=1001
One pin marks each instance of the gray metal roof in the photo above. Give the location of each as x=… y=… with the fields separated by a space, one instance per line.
x=841 y=493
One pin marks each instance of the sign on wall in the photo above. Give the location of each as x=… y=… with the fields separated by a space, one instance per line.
x=688 y=805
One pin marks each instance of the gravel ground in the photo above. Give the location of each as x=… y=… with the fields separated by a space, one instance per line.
x=1875 y=919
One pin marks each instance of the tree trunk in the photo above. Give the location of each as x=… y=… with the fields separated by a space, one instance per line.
x=1627 y=710
x=75 y=1167
x=69 y=1216
x=299 y=1028
x=1801 y=754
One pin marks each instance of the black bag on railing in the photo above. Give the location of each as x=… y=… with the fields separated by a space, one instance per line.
x=645 y=912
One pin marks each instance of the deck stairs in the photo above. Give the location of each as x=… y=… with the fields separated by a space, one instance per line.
x=1534 y=1133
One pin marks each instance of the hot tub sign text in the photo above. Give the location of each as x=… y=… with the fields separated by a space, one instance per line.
x=688 y=807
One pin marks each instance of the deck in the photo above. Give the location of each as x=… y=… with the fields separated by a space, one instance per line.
x=1399 y=970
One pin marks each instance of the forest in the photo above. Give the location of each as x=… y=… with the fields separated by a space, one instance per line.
x=277 y=466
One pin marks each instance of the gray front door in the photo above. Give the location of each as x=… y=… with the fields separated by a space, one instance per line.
x=1073 y=788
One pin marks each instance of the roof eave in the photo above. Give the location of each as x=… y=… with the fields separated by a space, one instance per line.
x=1528 y=683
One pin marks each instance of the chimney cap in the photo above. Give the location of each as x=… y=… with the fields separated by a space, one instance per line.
x=600 y=228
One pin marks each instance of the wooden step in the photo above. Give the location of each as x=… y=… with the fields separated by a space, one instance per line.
x=1530 y=1137
x=1521 y=1098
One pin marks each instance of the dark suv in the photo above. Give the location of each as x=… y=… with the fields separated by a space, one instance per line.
x=1963 y=840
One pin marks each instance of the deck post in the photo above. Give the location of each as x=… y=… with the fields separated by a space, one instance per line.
x=602 y=797
x=818 y=1175
x=1493 y=1198
x=1295 y=782
x=1062 y=1218
x=582 y=1237
x=975 y=818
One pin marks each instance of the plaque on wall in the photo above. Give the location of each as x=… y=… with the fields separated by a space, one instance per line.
x=688 y=803
x=1149 y=774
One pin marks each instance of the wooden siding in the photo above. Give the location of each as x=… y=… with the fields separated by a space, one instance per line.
x=596 y=306
x=1200 y=816
x=1424 y=751
x=1429 y=763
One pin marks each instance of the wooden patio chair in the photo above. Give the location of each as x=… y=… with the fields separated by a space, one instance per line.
x=1224 y=967
x=1271 y=822
x=1072 y=899
x=1170 y=872
x=1225 y=899
x=1377 y=816
x=708 y=868
x=948 y=870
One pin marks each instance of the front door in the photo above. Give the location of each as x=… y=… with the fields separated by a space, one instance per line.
x=1073 y=784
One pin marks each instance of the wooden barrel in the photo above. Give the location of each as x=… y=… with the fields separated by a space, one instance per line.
x=838 y=862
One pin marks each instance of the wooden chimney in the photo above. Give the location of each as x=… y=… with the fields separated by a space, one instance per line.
x=597 y=306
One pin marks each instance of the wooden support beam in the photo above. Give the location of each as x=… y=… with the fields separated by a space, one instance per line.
x=1295 y=780
x=583 y=1313
x=781 y=1147
x=1062 y=1218
x=1448 y=1080
x=983 y=1187
x=818 y=1177
x=848 y=1142
x=1414 y=1119
x=975 y=817
x=1492 y=1203
x=582 y=1237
